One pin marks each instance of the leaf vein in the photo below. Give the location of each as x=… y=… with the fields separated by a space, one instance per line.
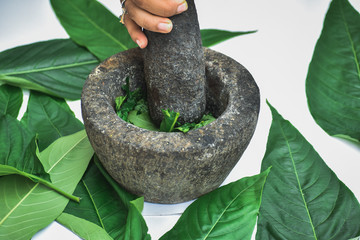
x=298 y=180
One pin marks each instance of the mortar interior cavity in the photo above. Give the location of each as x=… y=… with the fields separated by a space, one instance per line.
x=216 y=97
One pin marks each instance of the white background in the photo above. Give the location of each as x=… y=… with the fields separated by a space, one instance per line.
x=277 y=55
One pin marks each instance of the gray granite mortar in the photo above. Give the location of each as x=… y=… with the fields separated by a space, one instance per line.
x=170 y=167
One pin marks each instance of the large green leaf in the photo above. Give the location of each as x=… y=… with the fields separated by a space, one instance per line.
x=302 y=198
x=18 y=154
x=50 y=118
x=136 y=228
x=9 y=170
x=11 y=99
x=90 y=24
x=58 y=67
x=66 y=159
x=333 y=81
x=102 y=205
x=83 y=228
x=18 y=148
x=25 y=206
x=228 y=212
x=211 y=37
x=99 y=203
x=124 y=195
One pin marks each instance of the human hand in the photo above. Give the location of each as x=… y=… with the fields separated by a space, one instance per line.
x=152 y=15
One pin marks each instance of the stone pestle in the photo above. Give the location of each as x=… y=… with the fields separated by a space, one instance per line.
x=174 y=69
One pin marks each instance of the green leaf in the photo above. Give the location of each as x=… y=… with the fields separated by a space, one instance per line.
x=169 y=121
x=50 y=118
x=125 y=196
x=109 y=209
x=18 y=148
x=8 y=170
x=66 y=159
x=11 y=99
x=136 y=228
x=132 y=100
x=211 y=37
x=205 y=120
x=83 y=228
x=99 y=203
x=357 y=238
x=58 y=67
x=228 y=212
x=302 y=198
x=27 y=207
x=90 y=24
x=18 y=154
x=333 y=81
x=118 y=102
x=142 y=120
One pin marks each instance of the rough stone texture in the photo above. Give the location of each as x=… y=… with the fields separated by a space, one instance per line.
x=175 y=69
x=170 y=167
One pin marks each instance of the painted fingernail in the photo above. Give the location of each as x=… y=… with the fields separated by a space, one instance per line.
x=165 y=26
x=183 y=7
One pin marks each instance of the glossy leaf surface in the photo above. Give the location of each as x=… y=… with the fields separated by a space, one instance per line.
x=50 y=118
x=136 y=228
x=28 y=207
x=142 y=120
x=211 y=37
x=11 y=99
x=228 y=212
x=90 y=24
x=83 y=228
x=68 y=156
x=99 y=203
x=18 y=148
x=102 y=205
x=58 y=67
x=333 y=81
x=302 y=198
x=124 y=195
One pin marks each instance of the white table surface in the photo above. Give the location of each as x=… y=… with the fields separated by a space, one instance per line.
x=277 y=55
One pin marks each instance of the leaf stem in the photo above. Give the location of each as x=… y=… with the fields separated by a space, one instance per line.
x=174 y=122
x=52 y=186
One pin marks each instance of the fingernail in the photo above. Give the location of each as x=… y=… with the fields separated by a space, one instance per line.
x=139 y=43
x=183 y=7
x=165 y=26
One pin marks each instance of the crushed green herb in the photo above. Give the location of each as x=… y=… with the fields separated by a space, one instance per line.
x=133 y=108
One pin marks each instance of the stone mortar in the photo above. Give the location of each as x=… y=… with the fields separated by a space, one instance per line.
x=170 y=167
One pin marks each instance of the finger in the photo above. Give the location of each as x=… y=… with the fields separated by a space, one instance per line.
x=135 y=32
x=146 y=20
x=164 y=8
